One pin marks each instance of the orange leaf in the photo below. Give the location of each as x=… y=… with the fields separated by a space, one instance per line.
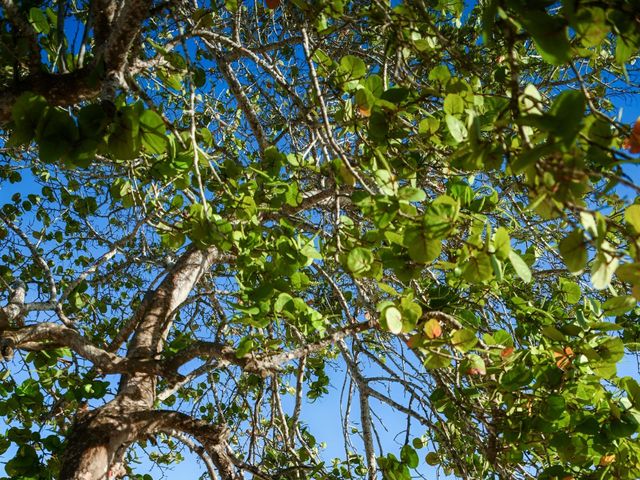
x=432 y=329
x=364 y=111
x=632 y=143
x=564 y=358
x=506 y=352
x=607 y=460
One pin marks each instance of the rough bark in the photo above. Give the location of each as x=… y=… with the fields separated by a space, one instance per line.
x=97 y=437
x=115 y=35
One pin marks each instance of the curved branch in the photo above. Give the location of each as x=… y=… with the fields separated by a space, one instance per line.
x=53 y=292
x=51 y=335
x=213 y=438
x=156 y=312
x=260 y=364
x=197 y=449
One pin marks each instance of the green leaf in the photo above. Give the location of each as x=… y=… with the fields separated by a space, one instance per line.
x=517 y=377
x=553 y=333
x=501 y=243
x=378 y=126
x=282 y=300
x=432 y=459
x=571 y=290
x=392 y=320
x=464 y=339
x=173 y=80
x=519 y=265
x=354 y=66
x=26 y=114
x=478 y=268
x=231 y=5
x=440 y=216
x=456 y=128
x=411 y=313
x=568 y=113
x=411 y=194
x=624 y=50
x=603 y=268
x=245 y=347
x=573 y=249
x=436 y=359
x=375 y=85
x=352 y=69
x=124 y=141
x=554 y=407
x=386 y=181
x=453 y=104
x=293 y=197
x=360 y=260
x=549 y=34
x=39 y=21
x=632 y=388
x=611 y=350
x=310 y=251
x=409 y=456
x=591 y=26
x=365 y=100
x=619 y=305
x=56 y=136
x=474 y=365
x=632 y=217
x=420 y=247
x=440 y=74
x=153 y=131
x=428 y=126
x=588 y=221
x=93 y=121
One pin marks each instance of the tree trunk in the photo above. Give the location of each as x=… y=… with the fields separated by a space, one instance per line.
x=94 y=443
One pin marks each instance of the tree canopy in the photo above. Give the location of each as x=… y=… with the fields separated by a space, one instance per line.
x=213 y=214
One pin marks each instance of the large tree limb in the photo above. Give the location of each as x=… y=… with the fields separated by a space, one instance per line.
x=45 y=336
x=213 y=438
x=96 y=441
x=158 y=310
x=12 y=313
x=124 y=31
x=261 y=364
x=83 y=84
x=156 y=318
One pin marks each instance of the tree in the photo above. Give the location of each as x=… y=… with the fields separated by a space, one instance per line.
x=211 y=211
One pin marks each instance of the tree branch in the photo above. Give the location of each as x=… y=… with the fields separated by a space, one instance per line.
x=23 y=29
